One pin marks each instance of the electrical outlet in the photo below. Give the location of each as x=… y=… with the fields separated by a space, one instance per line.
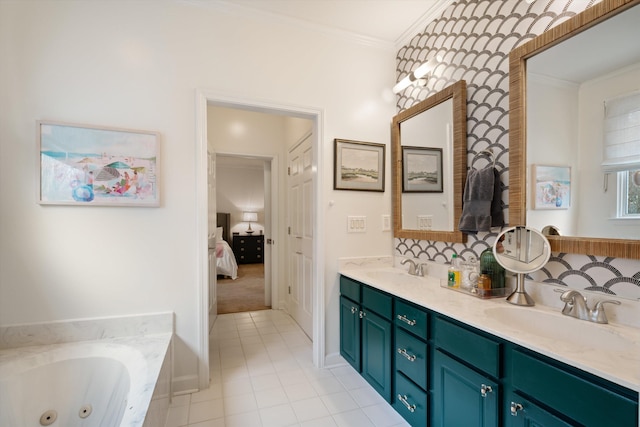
x=386 y=222
x=356 y=224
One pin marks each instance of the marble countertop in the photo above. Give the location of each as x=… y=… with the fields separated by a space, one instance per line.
x=609 y=351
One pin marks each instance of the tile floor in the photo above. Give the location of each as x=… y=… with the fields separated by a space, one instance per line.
x=262 y=375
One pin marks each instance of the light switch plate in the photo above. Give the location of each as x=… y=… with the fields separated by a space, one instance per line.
x=356 y=224
x=425 y=222
x=386 y=222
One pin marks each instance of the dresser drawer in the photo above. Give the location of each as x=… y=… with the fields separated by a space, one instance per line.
x=411 y=357
x=475 y=349
x=350 y=288
x=411 y=318
x=588 y=403
x=410 y=401
x=377 y=302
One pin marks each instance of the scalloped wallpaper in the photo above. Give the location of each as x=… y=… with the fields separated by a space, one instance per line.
x=475 y=38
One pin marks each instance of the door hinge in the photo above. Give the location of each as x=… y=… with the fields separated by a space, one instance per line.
x=289 y=230
x=289 y=170
x=289 y=290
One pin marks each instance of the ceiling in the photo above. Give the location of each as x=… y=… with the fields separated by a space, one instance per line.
x=391 y=22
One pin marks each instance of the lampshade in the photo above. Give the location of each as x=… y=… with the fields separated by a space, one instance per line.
x=249 y=216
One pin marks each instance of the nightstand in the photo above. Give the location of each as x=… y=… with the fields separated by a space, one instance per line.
x=248 y=249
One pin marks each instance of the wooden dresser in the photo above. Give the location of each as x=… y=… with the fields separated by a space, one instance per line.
x=248 y=249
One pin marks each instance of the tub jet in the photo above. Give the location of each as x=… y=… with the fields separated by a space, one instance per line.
x=48 y=418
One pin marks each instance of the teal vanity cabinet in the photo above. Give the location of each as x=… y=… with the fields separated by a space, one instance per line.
x=564 y=395
x=411 y=395
x=365 y=333
x=466 y=372
x=437 y=371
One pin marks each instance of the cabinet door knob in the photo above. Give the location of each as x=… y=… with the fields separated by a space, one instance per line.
x=409 y=357
x=406 y=320
x=363 y=314
x=484 y=389
x=354 y=310
x=403 y=398
x=515 y=407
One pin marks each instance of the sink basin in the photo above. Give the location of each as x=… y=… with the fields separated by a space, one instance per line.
x=399 y=276
x=561 y=328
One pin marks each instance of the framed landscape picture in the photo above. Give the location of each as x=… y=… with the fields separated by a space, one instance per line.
x=358 y=165
x=421 y=170
x=86 y=165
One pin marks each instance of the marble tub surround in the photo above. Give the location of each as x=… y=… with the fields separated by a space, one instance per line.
x=143 y=356
x=84 y=329
x=610 y=351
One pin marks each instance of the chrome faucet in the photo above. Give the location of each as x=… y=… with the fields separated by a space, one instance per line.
x=576 y=306
x=414 y=269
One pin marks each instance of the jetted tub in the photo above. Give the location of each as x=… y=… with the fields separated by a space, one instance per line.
x=105 y=383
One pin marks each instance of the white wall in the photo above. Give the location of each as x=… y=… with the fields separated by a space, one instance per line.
x=239 y=189
x=552 y=132
x=138 y=65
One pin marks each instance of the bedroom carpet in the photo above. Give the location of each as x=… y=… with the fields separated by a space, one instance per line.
x=246 y=293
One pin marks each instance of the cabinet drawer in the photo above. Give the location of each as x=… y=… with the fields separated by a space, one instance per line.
x=411 y=318
x=350 y=288
x=477 y=350
x=411 y=357
x=377 y=302
x=410 y=402
x=584 y=401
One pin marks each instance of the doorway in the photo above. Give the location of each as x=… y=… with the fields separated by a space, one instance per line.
x=203 y=99
x=244 y=276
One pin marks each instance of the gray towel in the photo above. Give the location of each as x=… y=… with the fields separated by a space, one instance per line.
x=481 y=207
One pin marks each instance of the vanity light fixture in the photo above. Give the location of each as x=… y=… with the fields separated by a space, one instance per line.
x=249 y=217
x=416 y=76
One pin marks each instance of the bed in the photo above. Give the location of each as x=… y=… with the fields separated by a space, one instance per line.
x=225 y=259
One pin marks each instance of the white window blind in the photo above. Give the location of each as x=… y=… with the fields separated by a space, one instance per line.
x=622 y=133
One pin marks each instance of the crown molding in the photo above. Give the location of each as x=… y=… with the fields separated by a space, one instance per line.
x=421 y=23
x=244 y=11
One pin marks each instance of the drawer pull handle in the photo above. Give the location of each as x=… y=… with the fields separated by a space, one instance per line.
x=484 y=389
x=515 y=407
x=410 y=357
x=403 y=399
x=354 y=310
x=405 y=320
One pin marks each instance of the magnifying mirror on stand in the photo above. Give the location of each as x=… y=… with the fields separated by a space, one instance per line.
x=521 y=250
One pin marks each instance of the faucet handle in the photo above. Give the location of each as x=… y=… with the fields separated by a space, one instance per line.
x=421 y=269
x=598 y=315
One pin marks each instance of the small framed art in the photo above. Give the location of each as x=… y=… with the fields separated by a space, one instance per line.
x=551 y=187
x=358 y=165
x=421 y=170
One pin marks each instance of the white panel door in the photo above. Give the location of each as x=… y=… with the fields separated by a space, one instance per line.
x=213 y=267
x=300 y=235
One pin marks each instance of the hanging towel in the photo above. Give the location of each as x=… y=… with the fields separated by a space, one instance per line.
x=481 y=207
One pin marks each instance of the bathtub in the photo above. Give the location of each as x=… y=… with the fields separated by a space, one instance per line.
x=103 y=383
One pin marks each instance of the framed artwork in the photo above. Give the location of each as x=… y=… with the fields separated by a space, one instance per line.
x=421 y=170
x=551 y=187
x=358 y=166
x=86 y=165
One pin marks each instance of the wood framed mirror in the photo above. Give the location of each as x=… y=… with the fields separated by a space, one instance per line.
x=438 y=211
x=521 y=154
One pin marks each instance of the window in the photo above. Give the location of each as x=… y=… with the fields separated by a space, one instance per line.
x=629 y=194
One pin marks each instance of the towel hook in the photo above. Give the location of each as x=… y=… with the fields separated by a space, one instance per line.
x=487 y=153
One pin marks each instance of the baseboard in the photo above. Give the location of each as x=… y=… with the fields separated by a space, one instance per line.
x=334 y=360
x=185 y=384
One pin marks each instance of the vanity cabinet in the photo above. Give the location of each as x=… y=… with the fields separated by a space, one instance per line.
x=412 y=359
x=447 y=373
x=466 y=368
x=365 y=333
